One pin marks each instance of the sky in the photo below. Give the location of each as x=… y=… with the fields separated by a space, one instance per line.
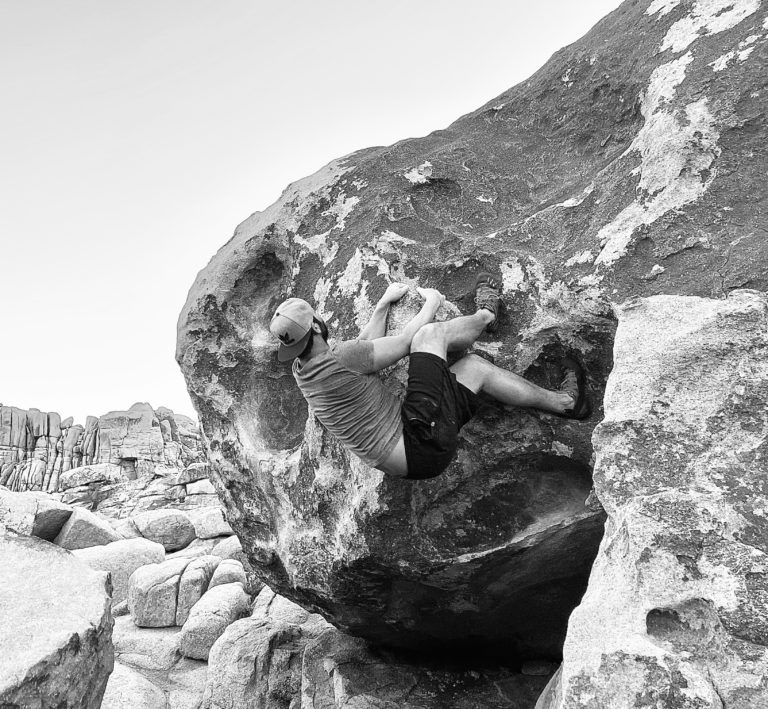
x=136 y=134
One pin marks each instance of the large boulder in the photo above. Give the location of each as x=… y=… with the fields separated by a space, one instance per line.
x=121 y=559
x=218 y=608
x=171 y=528
x=153 y=593
x=56 y=629
x=675 y=612
x=632 y=164
x=195 y=581
x=32 y=513
x=84 y=529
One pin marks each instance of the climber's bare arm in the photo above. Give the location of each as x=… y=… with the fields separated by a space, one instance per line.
x=388 y=350
x=377 y=325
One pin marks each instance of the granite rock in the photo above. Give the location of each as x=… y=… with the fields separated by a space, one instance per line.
x=120 y=559
x=153 y=593
x=171 y=528
x=85 y=529
x=56 y=627
x=218 y=608
x=195 y=581
x=675 y=611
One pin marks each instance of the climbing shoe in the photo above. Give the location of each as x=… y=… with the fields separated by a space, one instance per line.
x=574 y=384
x=488 y=297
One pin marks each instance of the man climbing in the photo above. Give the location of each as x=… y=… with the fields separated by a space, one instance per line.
x=417 y=438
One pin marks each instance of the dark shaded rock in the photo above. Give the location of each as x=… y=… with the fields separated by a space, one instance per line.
x=631 y=164
x=283 y=656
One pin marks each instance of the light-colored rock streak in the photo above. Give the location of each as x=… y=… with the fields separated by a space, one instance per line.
x=676 y=156
x=707 y=17
x=662 y=7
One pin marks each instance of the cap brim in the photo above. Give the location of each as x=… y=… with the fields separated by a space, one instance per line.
x=287 y=352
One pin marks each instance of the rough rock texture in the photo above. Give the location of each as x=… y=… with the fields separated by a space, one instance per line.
x=39 y=451
x=56 y=627
x=195 y=581
x=120 y=559
x=633 y=163
x=152 y=653
x=153 y=593
x=228 y=571
x=171 y=528
x=218 y=608
x=85 y=529
x=283 y=656
x=676 y=610
x=209 y=522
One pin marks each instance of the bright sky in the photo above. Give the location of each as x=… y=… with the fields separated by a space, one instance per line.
x=136 y=134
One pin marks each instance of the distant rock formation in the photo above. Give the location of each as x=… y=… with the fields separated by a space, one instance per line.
x=632 y=164
x=37 y=448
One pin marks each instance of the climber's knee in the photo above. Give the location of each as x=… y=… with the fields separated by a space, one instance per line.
x=470 y=371
x=430 y=338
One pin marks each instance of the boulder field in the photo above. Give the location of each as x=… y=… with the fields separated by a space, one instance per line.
x=631 y=165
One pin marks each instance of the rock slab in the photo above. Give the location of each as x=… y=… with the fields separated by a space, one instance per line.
x=56 y=627
x=675 y=612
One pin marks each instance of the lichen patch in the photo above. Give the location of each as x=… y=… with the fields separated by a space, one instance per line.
x=707 y=17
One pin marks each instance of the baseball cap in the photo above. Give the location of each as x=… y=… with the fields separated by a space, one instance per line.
x=292 y=325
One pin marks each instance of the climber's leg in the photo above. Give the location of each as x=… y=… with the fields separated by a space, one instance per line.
x=478 y=375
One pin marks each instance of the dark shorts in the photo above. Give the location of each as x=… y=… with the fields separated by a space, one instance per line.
x=436 y=407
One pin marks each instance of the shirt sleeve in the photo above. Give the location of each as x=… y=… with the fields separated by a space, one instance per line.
x=356 y=355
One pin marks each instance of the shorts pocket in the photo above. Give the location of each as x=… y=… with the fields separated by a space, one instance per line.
x=420 y=415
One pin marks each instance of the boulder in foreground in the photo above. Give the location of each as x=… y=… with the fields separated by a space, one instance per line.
x=56 y=627
x=675 y=612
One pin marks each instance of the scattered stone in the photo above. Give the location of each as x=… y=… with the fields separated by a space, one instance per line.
x=56 y=627
x=201 y=487
x=196 y=548
x=85 y=529
x=209 y=618
x=51 y=516
x=192 y=473
x=229 y=548
x=195 y=581
x=120 y=609
x=209 y=522
x=129 y=689
x=153 y=591
x=151 y=649
x=228 y=571
x=171 y=528
x=126 y=528
x=88 y=474
x=121 y=559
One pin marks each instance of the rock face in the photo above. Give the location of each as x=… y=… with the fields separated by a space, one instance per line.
x=675 y=612
x=56 y=627
x=632 y=164
x=39 y=451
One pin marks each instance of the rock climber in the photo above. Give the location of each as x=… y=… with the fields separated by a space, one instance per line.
x=418 y=437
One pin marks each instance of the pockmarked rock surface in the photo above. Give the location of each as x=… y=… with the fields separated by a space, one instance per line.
x=56 y=627
x=631 y=164
x=675 y=612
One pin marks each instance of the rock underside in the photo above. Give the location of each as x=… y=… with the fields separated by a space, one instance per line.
x=632 y=164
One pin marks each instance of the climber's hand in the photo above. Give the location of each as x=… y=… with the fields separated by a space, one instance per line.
x=394 y=292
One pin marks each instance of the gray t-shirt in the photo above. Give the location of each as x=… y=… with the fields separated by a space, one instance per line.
x=350 y=400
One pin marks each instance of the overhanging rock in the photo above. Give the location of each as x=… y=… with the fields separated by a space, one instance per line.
x=631 y=164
